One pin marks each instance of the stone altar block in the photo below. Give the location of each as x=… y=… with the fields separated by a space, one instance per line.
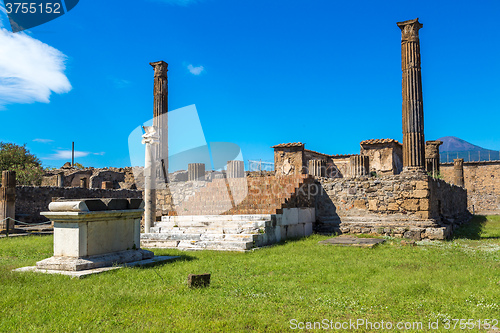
x=94 y=233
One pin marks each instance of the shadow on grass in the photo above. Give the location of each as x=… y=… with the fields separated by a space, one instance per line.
x=473 y=229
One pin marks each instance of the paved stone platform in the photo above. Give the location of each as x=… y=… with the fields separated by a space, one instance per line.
x=85 y=273
x=353 y=241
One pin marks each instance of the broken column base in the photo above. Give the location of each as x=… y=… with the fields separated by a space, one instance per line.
x=93 y=262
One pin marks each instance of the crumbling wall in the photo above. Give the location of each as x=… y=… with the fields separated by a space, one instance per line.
x=386 y=156
x=405 y=205
x=120 y=177
x=482 y=181
x=289 y=161
x=31 y=200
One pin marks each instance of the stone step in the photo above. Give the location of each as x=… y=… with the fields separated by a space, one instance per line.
x=208 y=218
x=201 y=237
x=198 y=245
x=207 y=230
x=213 y=224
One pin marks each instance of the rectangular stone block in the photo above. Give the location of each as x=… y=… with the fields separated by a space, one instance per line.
x=410 y=204
x=393 y=206
x=308 y=229
x=424 y=204
x=290 y=216
x=360 y=204
x=422 y=185
x=306 y=215
x=421 y=194
x=295 y=231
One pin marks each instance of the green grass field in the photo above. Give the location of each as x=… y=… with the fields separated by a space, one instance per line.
x=265 y=290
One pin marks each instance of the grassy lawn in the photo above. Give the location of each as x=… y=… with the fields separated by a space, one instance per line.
x=262 y=291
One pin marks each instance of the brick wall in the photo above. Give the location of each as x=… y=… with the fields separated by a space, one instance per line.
x=233 y=196
x=482 y=181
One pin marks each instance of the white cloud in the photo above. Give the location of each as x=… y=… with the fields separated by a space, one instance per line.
x=43 y=140
x=65 y=154
x=120 y=83
x=99 y=154
x=29 y=69
x=195 y=70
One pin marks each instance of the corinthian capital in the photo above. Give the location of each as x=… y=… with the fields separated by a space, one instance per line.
x=409 y=29
x=160 y=68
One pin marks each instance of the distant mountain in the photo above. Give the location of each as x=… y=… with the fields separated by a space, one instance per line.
x=454 y=147
x=452 y=143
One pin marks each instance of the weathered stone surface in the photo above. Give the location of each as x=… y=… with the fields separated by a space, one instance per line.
x=413 y=115
x=359 y=165
x=432 y=157
x=8 y=200
x=196 y=172
x=353 y=241
x=198 y=280
x=458 y=168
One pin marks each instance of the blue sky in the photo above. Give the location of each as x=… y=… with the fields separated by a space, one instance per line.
x=326 y=73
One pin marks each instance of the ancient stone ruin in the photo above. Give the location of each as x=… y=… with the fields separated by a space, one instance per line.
x=388 y=188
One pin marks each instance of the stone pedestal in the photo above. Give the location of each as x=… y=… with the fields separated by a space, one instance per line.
x=359 y=165
x=235 y=169
x=432 y=157
x=94 y=233
x=196 y=171
x=458 y=172
x=413 y=110
x=8 y=200
x=317 y=168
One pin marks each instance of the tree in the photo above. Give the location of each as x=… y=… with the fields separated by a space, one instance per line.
x=27 y=166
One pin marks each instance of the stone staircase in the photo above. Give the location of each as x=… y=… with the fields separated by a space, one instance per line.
x=212 y=232
x=236 y=214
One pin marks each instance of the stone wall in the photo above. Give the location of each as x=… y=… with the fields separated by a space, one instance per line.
x=289 y=159
x=386 y=156
x=31 y=200
x=251 y=195
x=405 y=205
x=482 y=181
x=120 y=177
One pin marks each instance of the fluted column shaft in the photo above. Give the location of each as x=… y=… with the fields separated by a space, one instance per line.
x=317 y=168
x=196 y=171
x=235 y=169
x=458 y=170
x=413 y=111
x=359 y=165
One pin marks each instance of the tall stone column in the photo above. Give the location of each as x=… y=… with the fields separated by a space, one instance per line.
x=432 y=157
x=413 y=111
x=359 y=165
x=458 y=172
x=8 y=199
x=160 y=117
x=196 y=171
x=235 y=169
